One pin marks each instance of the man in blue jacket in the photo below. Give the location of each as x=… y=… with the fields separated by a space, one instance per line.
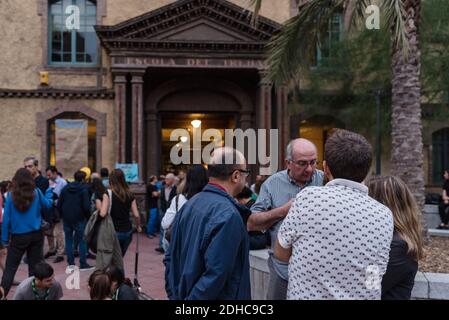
x=74 y=207
x=208 y=258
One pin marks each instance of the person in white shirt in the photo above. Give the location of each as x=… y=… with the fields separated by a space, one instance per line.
x=336 y=238
x=55 y=236
x=196 y=180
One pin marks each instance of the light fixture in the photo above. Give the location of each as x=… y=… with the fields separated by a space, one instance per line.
x=44 y=78
x=184 y=139
x=196 y=123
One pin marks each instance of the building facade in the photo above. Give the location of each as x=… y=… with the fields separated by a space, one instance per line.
x=131 y=71
x=113 y=78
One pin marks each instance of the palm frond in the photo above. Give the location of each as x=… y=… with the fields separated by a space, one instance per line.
x=395 y=14
x=257 y=5
x=358 y=11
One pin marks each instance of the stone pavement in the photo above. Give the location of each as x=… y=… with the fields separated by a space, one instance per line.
x=151 y=271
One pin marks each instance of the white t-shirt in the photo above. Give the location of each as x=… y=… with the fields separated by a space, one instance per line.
x=340 y=239
x=170 y=214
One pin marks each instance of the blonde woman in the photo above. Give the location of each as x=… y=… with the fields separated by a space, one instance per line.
x=406 y=247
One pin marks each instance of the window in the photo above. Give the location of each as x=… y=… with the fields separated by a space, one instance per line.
x=334 y=35
x=440 y=154
x=72 y=46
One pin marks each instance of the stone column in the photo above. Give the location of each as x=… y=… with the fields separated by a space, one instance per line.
x=264 y=109
x=137 y=121
x=246 y=120
x=120 y=117
x=283 y=121
x=264 y=102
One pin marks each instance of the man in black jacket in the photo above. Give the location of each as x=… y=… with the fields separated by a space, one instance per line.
x=74 y=206
x=168 y=192
x=32 y=165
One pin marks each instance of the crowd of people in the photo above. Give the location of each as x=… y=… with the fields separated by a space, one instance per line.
x=336 y=233
x=35 y=207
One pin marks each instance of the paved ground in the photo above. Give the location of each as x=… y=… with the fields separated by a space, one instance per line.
x=151 y=271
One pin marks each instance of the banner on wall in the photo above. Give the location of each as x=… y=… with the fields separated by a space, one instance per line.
x=71 y=146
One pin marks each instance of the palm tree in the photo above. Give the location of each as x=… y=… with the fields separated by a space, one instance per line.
x=300 y=35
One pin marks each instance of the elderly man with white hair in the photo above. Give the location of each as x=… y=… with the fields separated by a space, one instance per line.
x=275 y=199
x=208 y=257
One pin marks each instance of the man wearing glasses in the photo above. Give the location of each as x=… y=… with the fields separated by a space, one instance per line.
x=275 y=199
x=208 y=256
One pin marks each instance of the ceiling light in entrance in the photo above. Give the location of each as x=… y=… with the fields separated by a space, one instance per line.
x=196 y=123
x=184 y=139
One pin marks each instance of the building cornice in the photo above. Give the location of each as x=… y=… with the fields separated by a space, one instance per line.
x=146 y=32
x=103 y=94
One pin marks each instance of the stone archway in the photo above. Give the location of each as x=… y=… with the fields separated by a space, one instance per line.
x=211 y=84
x=42 y=119
x=233 y=100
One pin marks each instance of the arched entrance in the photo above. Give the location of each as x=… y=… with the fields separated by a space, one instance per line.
x=218 y=103
x=72 y=110
x=316 y=129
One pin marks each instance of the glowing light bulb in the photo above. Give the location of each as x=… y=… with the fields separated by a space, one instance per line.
x=196 y=123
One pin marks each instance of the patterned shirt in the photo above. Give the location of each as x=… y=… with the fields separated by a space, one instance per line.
x=274 y=193
x=340 y=239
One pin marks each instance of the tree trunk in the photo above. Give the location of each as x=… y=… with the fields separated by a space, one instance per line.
x=407 y=146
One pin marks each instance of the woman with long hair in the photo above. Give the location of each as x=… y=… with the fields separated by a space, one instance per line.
x=195 y=182
x=22 y=222
x=121 y=287
x=406 y=247
x=105 y=241
x=123 y=202
x=100 y=195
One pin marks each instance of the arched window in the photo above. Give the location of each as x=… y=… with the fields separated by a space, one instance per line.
x=440 y=154
x=72 y=142
x=72 y=38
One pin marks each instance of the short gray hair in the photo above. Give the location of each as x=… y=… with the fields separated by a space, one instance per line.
x=32 y=158
x=289 y=150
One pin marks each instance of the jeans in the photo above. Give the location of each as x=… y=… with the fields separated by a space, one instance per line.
x=124 y=238
x=55 y=239
x=277 y=287
x=161 y=231
x=443 y=211
x=31 y=243
x=152 y=221
x=74 y=233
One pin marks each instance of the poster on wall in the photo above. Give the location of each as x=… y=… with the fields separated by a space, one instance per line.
x=131 y=171
x=71 y=146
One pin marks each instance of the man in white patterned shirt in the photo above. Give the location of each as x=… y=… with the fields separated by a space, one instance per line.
x=336 y=238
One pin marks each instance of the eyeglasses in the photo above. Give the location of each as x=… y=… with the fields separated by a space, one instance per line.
x=245 y=172
x=304 y=163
